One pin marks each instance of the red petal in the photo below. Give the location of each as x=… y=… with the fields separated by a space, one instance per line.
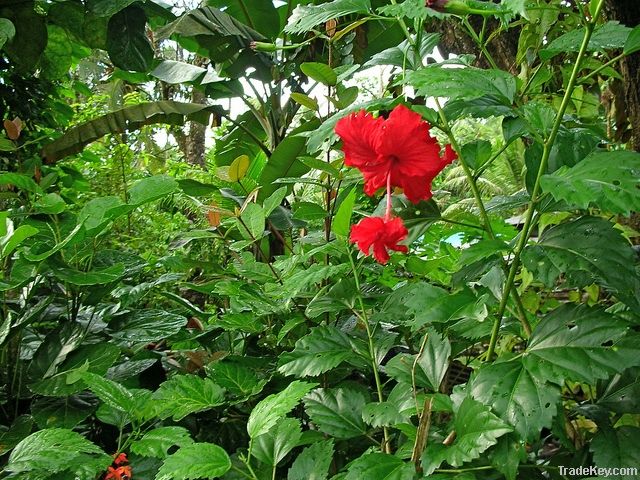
x=382 y=236
x=360 y=134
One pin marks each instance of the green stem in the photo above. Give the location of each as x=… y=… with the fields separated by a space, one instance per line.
x=480 y=43
x=602 y=67
x=526 y=229
x=386 y=448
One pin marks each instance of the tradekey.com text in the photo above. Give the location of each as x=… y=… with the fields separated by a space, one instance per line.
x=594 y=471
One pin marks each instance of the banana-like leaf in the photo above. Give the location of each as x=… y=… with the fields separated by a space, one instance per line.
x=128 y=118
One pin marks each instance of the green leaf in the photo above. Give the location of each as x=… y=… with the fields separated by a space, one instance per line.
x=151 y=188
x=157 y=442
x=63 y=412
x=337 y=411
x=622 y=393
x=252 y=222
x=616 y=448
x=30 y=37
x=319 y=72
x=186 y=394
x=57 y=345
x=271 y=447
x=399 y=407
x=434 y=359
x=323 y=349
x=51 y=204
x=611 y=35
x=463 y=83
x=146 y=326
x=632 y=44
x=127 y=42
x=94 y=277
x=305 y=17
x=111 y=393
x=52 y=451
x=125 y=119
x=273 y=408
x=24 y=182
x=342 y=219
x=58 y=55
x=520 y=398
x=198 y=460
x=13 y=240
x=238 y=168
x=7 y=145
x=236 y=379
x=305 y=101
x=476 y=153
x=7 y=31
x=20 y=429
x=274 y=200
x=173 y=72
x=380 y=466
x=607 y=180
x=108 y=8
x=507 y=455
x=313 y=463
x=195 y=188
x=580 y=343
x=476 y=429
x=261 y=16
x=585 y=251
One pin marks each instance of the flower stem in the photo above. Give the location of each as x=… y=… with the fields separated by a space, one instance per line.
x=548 y=145
x=385 y=447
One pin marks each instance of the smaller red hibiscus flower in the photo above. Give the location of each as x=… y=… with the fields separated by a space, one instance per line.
x=381 y=234
x=120 y=473
x=398 y=150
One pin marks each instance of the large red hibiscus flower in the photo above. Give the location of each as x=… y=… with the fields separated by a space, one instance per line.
x=399 y=149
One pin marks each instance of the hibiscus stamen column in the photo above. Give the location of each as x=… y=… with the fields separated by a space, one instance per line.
x=387 y=212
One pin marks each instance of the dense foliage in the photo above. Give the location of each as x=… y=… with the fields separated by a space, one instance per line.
x=175 y=313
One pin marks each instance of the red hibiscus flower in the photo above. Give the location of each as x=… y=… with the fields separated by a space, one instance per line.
x=120 y=473
x=399 y=147
x=381 y=234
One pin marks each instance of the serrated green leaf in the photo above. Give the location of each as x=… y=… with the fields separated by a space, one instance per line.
x=319 y=72
x=236 y=379
x=53 y=450
x=111 y=393
x=198 y=460
x=607 y=180
x=525 y=401
x=271 y=447
x=622 y=393
x=337 y=411
x=507 y=455
x=305 y=17
x=580 y=343
x=380 y=466
x=476 y=429
x=271 y=409
x=616 y=448
x=399 y=407
x=584 y=251
x=185 y=394
x=313 y=463
x=323 y=349
x=434 y=359
x=157 y=442
x=611 y=35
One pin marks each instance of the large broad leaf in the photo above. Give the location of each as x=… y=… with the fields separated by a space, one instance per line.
x=585 y=251
x=611 y=35
x=54 y=450
x=19 y=430
x=337 y=412
x=109 y=392
x=380 y=466
x=305 y=17
x=608 y=180
x=274 y=407
x=127 y=42
x=476 y=429
x=622 y=393
x=64 y=412
x=271 y=447
x=523 y=400
x=313 y=463
x=146 y=326
x=261 y=16
x=463 y=83
x=125 y=119
x=580 y=343
x=324 y=348
x=157 y=442
x=616 y=448
x=151 y=188
x=30 y=36
x=170 y=71
x=198 y=460
x=185 y=394
x=54 y=350
x=238 y=380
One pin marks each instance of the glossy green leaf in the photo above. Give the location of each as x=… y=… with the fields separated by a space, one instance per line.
x=323 y=349
x=305 y=17
x=173 y=72
x=252 y=222
x=185 y=394
x=273 y=408
x=146 y=326
x=94 y=277
x=476 y=429
x=13 y=240
x=607 y=180
x=19 y=430
x=157 y=442
x=580 y=343
x=342 y=219
x=198 y=460
x=313 y=462
x=109 y=392
x=127 y=42
x=272 y=447
x=151 y=188
x=63 y=412
x=260 y=16
x=520 y=398
x=305 y=101
x=24 y=182
x=434 y=359
x=633 y=41
x=380 y=466
x=319 y=72
x=584 y=251
x=337 y=411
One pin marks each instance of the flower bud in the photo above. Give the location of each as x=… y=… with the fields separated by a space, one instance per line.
x=262 y=47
